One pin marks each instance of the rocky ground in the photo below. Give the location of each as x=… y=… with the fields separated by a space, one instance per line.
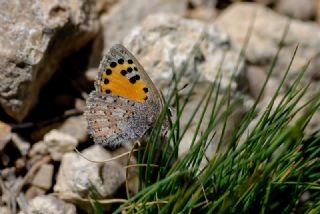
x=49 y=54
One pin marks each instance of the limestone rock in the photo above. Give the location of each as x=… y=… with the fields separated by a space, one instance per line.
x=202 y=9
x=300 y=9
x=194 y=47
x=59 y=143
x=5 y=134
x=5 y=210
x=121 y=18
x=38 y=148
x=317 y=10
x=208 y=3
x=78 y=177
x=33 y=192
x=256 y=77
x=266 y=33
x=133 y=179
x=200 y=90
x=165 y=40
x=43 y=177
x=22 y=145
x=47 y=204
x=35 y=36
x=266 y=2
x=202 y=13
x=264 y=40
x=75 y=126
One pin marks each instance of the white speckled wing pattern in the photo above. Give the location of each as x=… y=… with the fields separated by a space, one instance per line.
x=114 y=120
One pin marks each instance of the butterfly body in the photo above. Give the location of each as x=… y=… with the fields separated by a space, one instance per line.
x=125 y=103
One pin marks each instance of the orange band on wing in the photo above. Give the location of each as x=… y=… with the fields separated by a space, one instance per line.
x=115 y=80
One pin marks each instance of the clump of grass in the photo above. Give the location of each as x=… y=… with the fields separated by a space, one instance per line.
x=273 y=168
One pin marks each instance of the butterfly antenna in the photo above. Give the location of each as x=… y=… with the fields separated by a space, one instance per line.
x=107 y=160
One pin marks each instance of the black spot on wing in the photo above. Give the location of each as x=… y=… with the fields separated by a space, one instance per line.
x=120 y=61
x=108 y=71
x=113 y=64
x=123 y=72
x=134 y=79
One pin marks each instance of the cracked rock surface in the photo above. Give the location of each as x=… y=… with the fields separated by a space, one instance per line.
x=35 y=35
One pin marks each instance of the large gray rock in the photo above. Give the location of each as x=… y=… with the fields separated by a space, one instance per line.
x=317 y=9
x=163 y=40
x=78 y=178
x=47 y=204
x=266 y=33
x=35 y=35
x=264 y=40
x=126 y=14
x=300 y=9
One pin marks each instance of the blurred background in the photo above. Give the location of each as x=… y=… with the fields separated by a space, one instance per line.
x=49 y=56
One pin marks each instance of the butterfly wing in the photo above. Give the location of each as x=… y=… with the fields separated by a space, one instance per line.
x=125 y=103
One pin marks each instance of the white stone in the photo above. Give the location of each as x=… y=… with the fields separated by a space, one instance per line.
x=165 y=40
x=59 y=143
x=47 y=204
x=117 y=23
x=43 y=177
x=267 y=31
x=78 y=176
x=76 y=127
x=300 y=9
x=22 y=145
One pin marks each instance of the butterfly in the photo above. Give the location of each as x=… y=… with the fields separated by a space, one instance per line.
x=125 y=103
